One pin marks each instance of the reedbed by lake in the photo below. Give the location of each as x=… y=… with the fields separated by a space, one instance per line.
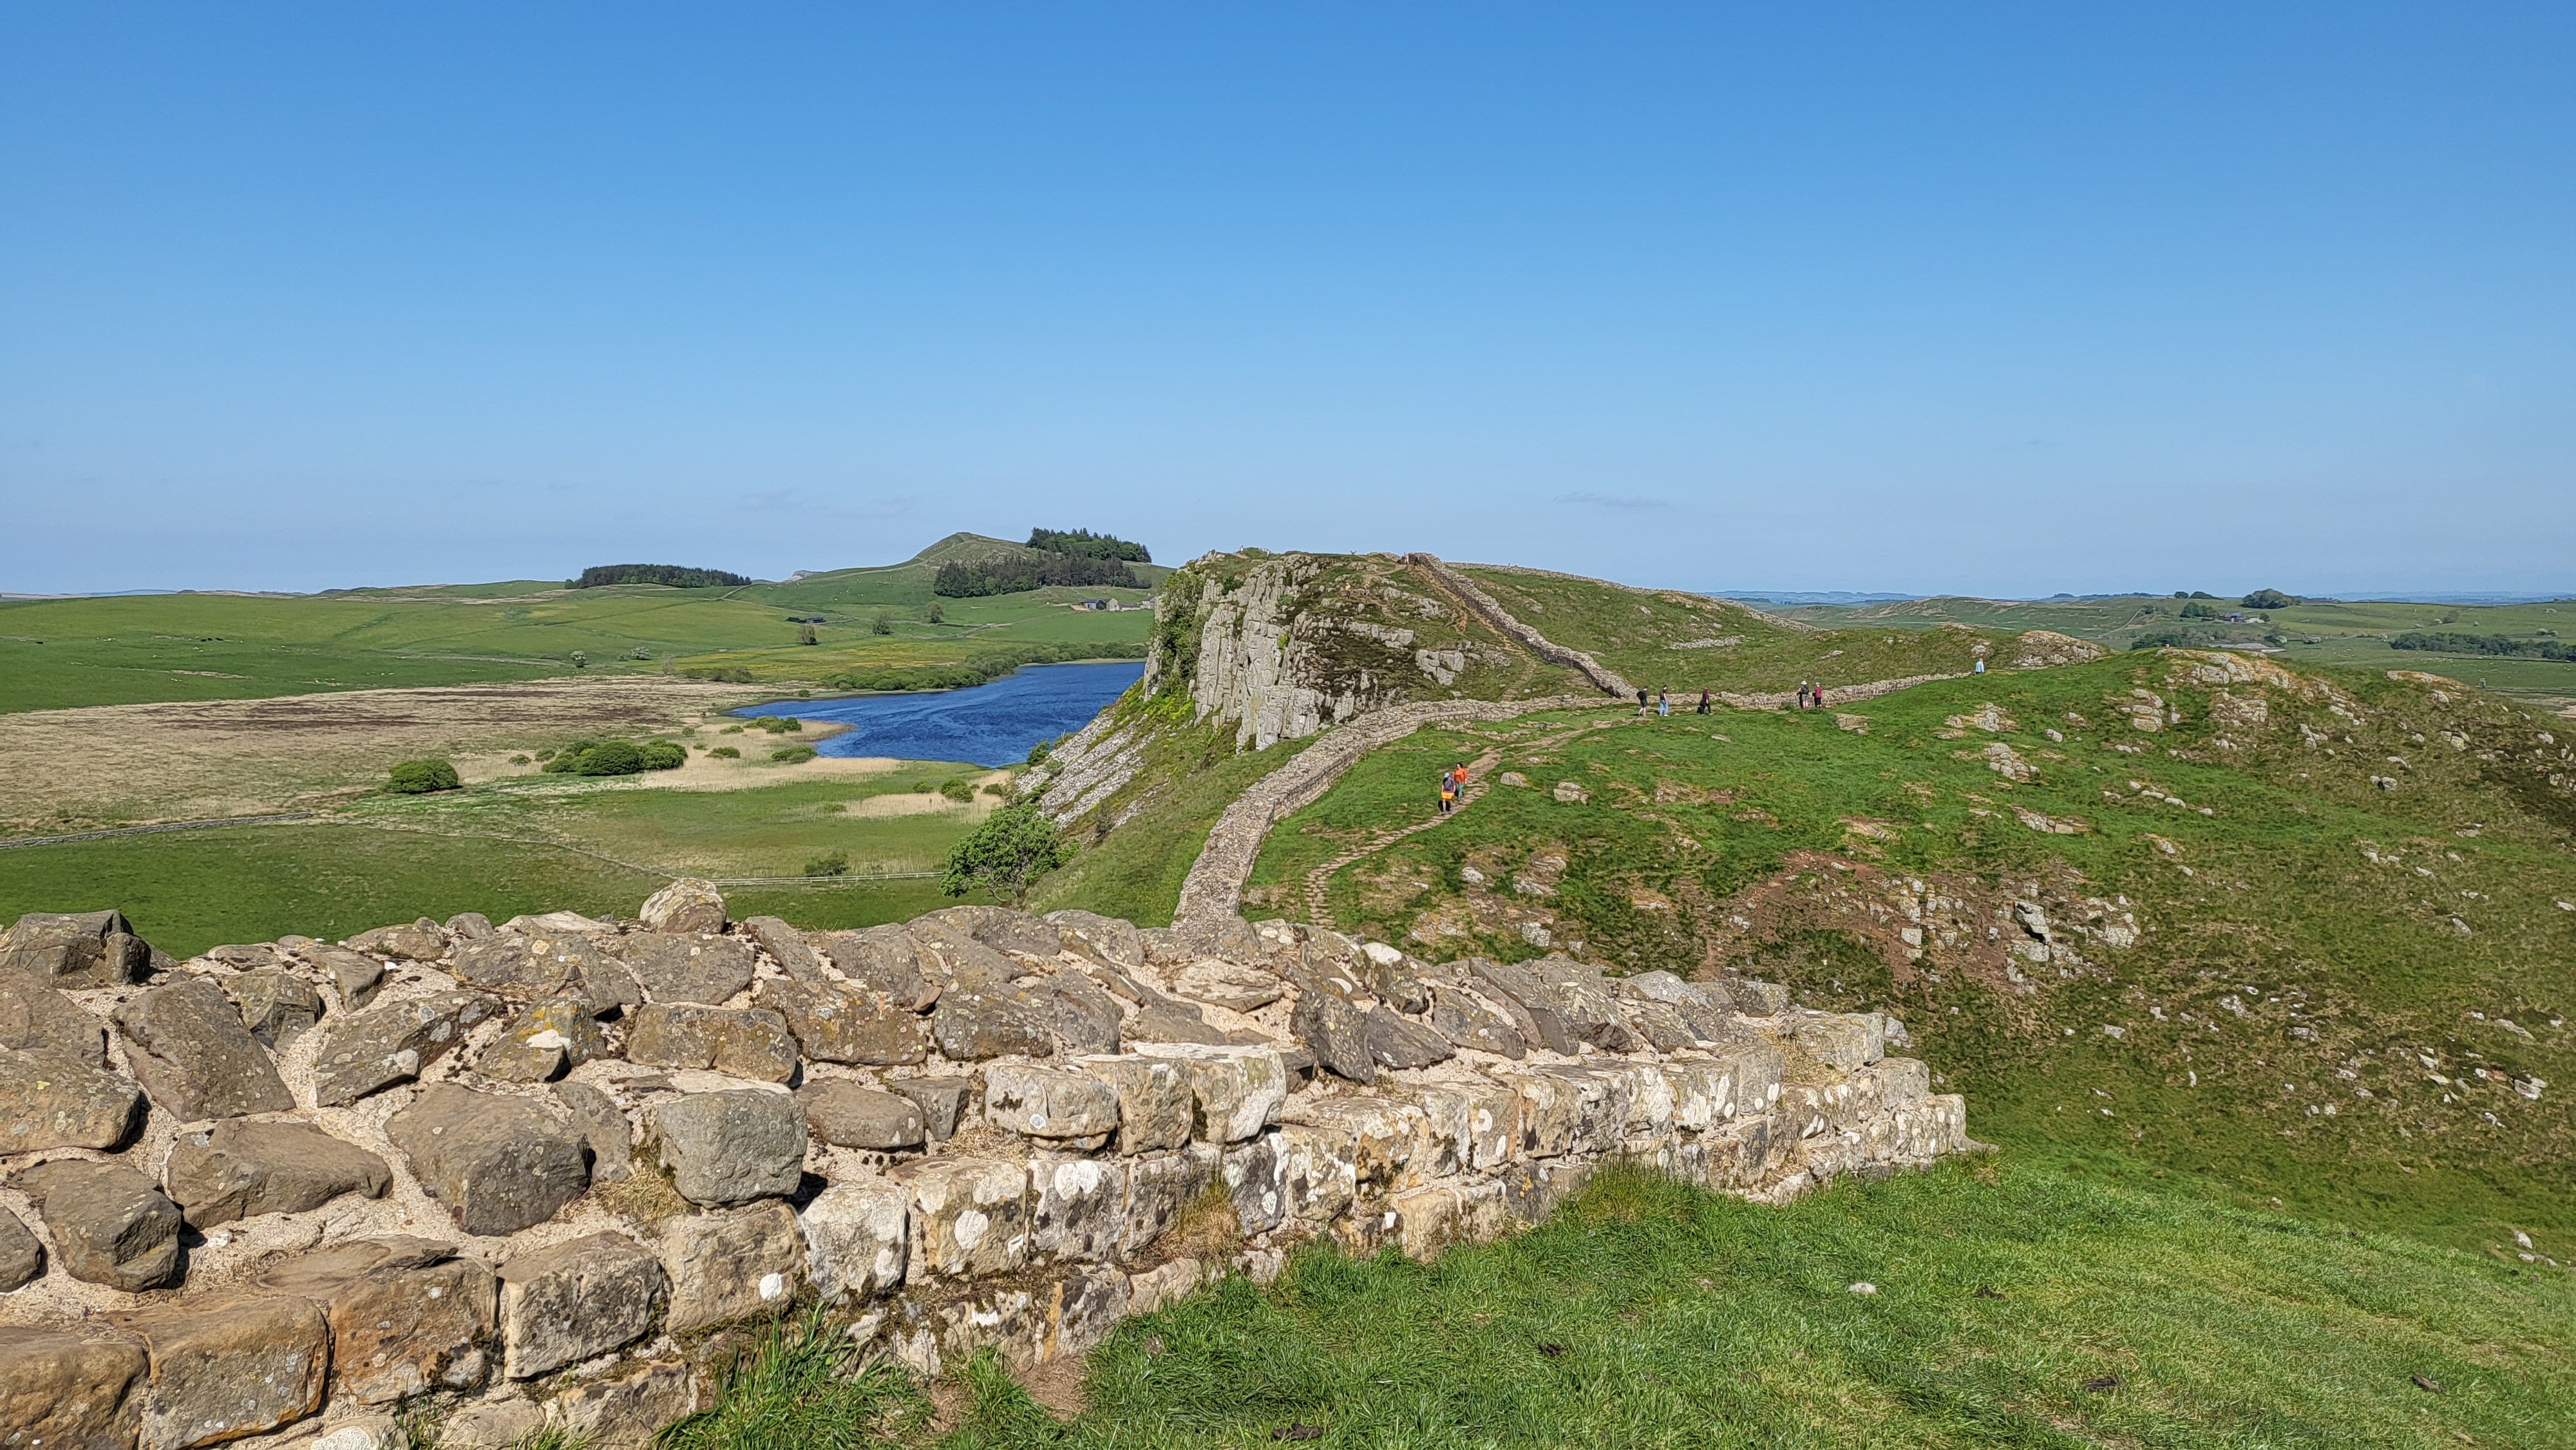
x=990 y=725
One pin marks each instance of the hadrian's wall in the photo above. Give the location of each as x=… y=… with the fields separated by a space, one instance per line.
x=558 y=1170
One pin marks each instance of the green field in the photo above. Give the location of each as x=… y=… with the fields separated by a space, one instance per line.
x=541 y=843
x=1649 y=1314
x=2345 y=968
x=2325 y=632
x=63 y=653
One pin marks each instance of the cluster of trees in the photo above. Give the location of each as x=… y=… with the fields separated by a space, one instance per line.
x=960 y=580
x=2457 y=642
x=1088 y=545
x=614 y=757
x=2259 y=599
x=673 y=575
x=420 y=777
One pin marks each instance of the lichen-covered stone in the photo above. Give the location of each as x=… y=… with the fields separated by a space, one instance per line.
x=548 y=1038
x=1234 y=1090
x=36 y=1019
x=1475 y=1127
x=856 y=1236
x=603 y=1125
x=626 y=1411
x=884 y=960
x=411 y=941
x=969 y=1217
x=240 y=1169
x=356 y=976
x=834 y=1023
x=406 y=1315
x=706 y=970
x=22 y=1258
x=853 y=1115
x=1229 y=984
x=1338 y=1033
x=53 y=1102
x=1467 y=1020
x=1104 y=939
x=1082 y=1018
x=1256 y=1179
x=550 y=964
x=576 y=1300
x=1077 y=1208
x=786 y=946
x=1397 y=1043
x=188 y=1048
x=731 y=1266
x=1391 y=1144
x=73 y=1387
x=1160 y=1189
x=1000 y=1020
x=499 y=1164
x=390 y=1043
x=686 y=905
x=78 y=949
x=1042 y=1102
x=731 y=1146
x=753 y=1043
x=1154 y=1102
x=278 y=1007
x=943 y=1100
x=220 y=1371
x=108 y=1222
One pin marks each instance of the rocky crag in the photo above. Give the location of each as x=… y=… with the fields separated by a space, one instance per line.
x=546 y=1174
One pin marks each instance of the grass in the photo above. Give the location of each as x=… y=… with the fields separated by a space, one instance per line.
x=64 y=653
x=2326 y=909
x=532 y=844
x=1650 y=1314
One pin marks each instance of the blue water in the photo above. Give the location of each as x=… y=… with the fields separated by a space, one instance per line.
x=988 y=725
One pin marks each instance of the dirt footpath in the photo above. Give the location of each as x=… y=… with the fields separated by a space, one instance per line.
x=120 y=764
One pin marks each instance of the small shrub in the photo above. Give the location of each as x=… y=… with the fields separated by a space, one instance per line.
x=519 y=760
x=805 y=635
x=934 y=613
x=880 y=625
x=545 y=755
x=730 y=730
x=724 y=752
x=998 y=789
x=1002 y=856
x=420 y=777
x=836 y=864
x=921 y=787
x=834 y=808
x=664 y=755
x=793 y=754
x=598 y=757
x=956 y=790
x=1038 y=752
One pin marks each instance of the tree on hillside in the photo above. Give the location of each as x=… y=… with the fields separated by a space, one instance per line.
x=1088 y=545
x=1003 y=856
x=673 y=576
x=2270 y=599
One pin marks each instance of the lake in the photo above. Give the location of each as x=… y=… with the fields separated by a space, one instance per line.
x=989 y=725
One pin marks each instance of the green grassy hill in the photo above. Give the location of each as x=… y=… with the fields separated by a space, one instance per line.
x=60 y=653
x=2314 y=935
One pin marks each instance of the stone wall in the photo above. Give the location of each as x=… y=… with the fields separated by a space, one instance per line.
x=1475 y=598
x=559 y=1171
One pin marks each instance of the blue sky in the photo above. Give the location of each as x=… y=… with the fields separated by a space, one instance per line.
x=1999 y=299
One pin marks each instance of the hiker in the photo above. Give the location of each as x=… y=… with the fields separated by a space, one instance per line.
x=1819 y=697
x=1664 y=704
x=1802 y=694
x=1448 y=792
x=1703 y=700
x=1641 y=702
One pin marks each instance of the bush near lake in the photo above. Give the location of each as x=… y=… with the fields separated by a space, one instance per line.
x=835 y=864
x=956 y=790
x=724 y=752
x=420 y=777
x=1003 y=856
x=793 y=754
x=616 y=757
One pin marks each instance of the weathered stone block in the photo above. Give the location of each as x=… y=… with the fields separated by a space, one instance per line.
x=1083 y=1018
x=48 y=1101
x=1836 y=1039
x=565 y=1304
x=490 y=1425
x=788 y=947
x=549 y=964
x=1256 y=1179
x=969 y=1217
x=754 y=1045
x=36 y=1019
x=850 y=1115
x=1228 y=984
x=1154 y=1099
x=732 y=1146
x=239 y=1169
x=1104 y=939
x=1043 y=1102
x=1474 y=1127
x=729 y=1266
x=355 y=976
x=1000 y=1020
x=944 y=1101
x=411 y=941
x=221 y=1371
x=499 y=1164
x=1338 y=1033
x=78 y=949
x=883 y=960
x=549 y=1037
x=1077 y=1208
x=22 y=1257
x=277 y=1007
x=837 y=1024
x=856 y=1236
x=1427 y=1220
x=686 y=905
x=108 y=1222
x=686 y=968
x=1234 y=1091
x=406 y=1315
x=1397 y=1043
x=1551 y=1112
x=390 y=1043
x=1161 y=1187
x=1319 y=1171
x=188 y=1048
x=602 y=1124
x=1467 y=1020
x=627 y=1412
x=74 y=1387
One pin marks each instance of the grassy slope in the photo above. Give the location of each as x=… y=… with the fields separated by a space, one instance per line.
x=2325 y=632
x=1635 y=632
x=2347 y=968
x=1646 y=1314
x=533 y=844
x=61 y=653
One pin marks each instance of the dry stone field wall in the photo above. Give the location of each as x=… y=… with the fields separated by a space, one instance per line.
x=559 y=1171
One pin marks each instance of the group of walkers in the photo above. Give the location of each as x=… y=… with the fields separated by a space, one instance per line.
x=1660 y=702
x=1810 y=697
x=1453 y=784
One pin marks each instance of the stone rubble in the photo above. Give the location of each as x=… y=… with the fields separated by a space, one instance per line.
x=498 y=1179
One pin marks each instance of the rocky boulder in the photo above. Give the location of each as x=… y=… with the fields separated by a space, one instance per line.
x=22 y=1258
x=107 y=1221
x=413 y=941
x=71 y=1387
x=971 y=1024
x=884 y=960
x=231 y=1368
x=406 y=1315
x=686 y=905
x=34 y=1018
x=731 y=1146
x=187 y=1045
x=752 y=1044
x=278 y=1007
x=849 y=1115
x=78 y=949
x=554 y=964
x=707 y=970
x=834 y=1023
x=387 y=1044
x=48 y=1102
x=499 y=1163
x=575 y=1301
x=238 y=1169
x=549 y=1037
